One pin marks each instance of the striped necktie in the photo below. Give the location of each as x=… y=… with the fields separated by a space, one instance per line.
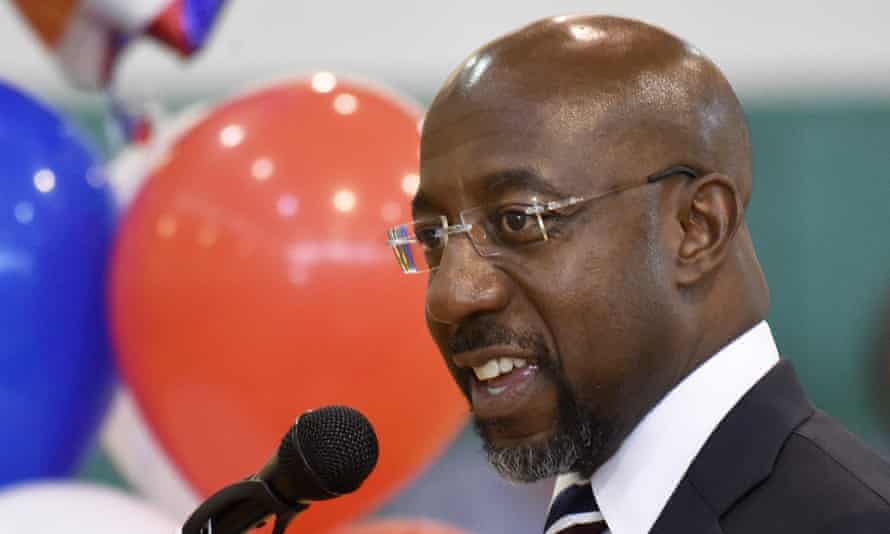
x=575 y=512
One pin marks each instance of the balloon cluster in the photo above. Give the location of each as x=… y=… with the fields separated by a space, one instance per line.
x=229 y=263
x=247 y=282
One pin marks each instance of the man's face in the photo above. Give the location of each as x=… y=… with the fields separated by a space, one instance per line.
x=577 y=316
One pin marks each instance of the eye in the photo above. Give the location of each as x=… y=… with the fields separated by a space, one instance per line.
x=515 y=221
x=515 y=225
x=429 y=236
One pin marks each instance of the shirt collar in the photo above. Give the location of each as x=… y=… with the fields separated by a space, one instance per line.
x=633 y=486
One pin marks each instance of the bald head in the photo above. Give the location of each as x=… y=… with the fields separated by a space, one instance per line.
x=605 y=77
x=601 y=168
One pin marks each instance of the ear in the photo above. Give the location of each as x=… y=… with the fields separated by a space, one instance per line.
x=710 y=212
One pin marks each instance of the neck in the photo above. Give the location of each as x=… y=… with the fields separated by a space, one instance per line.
x=738 y=301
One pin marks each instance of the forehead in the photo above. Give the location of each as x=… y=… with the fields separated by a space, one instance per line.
x=474 y=149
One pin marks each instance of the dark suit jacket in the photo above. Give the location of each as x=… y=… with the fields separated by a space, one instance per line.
x=776 y=465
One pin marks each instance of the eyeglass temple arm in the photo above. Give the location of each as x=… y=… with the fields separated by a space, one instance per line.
x=679 y=169
x=557 y=204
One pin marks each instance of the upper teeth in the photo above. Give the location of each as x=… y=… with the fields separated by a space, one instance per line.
x=496 y=367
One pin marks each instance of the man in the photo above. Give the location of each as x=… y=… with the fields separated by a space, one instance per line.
x=595 y=292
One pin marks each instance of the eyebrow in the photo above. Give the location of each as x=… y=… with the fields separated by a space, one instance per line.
x=496 y=183
x=518 y=178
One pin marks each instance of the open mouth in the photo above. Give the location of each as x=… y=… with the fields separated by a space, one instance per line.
x=498 y=373
x=505 y=382
x=504 y=386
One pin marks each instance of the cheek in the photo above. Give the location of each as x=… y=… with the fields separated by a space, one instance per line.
x=607 y=302
x=440 y=334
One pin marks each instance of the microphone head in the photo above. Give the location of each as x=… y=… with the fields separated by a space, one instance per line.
x=338 y=445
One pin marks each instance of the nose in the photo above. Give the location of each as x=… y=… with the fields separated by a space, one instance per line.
x=464 y=284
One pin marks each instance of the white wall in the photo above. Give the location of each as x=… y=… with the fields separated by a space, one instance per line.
x=767 y=47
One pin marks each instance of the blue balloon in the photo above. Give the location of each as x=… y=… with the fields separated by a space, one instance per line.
x=56 y=226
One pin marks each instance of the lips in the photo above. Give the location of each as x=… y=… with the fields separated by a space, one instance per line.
x=505 y=395
x=504 y=380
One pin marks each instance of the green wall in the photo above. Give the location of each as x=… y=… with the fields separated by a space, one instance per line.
x=820 y=216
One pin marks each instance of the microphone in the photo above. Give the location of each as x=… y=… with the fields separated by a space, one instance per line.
x=327 y=453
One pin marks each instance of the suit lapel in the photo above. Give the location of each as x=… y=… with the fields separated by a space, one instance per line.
x=686 y=513
x=738 y=455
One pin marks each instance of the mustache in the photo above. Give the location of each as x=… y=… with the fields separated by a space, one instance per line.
x=482 y=332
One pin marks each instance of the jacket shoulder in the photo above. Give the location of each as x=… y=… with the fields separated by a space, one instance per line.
x=846 y=459
x=824 y=480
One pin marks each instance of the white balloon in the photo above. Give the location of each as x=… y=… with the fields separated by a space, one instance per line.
x=78 y=508
x=139 y=457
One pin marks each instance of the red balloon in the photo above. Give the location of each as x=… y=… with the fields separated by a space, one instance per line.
x=400 y=526
x=251 y=282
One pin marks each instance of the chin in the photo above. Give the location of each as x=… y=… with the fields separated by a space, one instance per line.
x=578 y=443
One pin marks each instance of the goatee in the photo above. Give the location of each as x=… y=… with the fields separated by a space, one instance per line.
x=578 y=445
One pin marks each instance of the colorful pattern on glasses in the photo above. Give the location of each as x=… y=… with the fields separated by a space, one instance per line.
x=401 y=246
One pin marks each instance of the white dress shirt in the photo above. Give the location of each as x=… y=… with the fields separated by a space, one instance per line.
x=633 y=486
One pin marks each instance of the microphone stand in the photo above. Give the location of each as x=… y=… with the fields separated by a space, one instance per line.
x=234 y=510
